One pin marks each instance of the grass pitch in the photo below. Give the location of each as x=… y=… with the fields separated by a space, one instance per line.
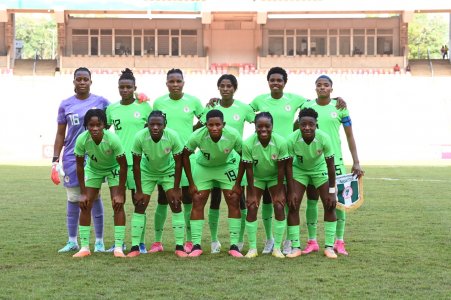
x=399 y=243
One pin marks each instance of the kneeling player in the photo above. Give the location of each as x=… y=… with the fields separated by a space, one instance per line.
x=264 y=155
x=161 y=165
x=106 y=160
x=312 y=163
x=215 y=167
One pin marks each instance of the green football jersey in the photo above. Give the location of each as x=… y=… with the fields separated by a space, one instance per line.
x=127 y=121
x=310 y=157
x=283 y=110
x=180 y=113
x=215 y=154
x=234 y=115
x=101 y=157
x=329 y=120
x=158 y=156
x=265 y=159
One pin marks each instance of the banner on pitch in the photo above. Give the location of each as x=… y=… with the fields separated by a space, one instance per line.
x=349 y=192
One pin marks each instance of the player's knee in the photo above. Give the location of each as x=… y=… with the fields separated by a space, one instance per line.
x=73 y=194
x=279 y=208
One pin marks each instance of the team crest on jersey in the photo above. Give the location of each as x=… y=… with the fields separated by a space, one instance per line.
x=186 y=109
x=66 y=179
x=236 y=117
x=167 y=150
x=108 y=151
x=137 y=114
x=288 y=107
x=274 y=156
x=333 y=114
x=319 y=151
x=226 y=150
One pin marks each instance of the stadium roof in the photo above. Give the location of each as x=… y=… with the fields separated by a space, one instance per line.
x=192 y=6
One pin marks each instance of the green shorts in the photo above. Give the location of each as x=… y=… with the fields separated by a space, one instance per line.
x=95 y=178
x=265 y=183
x=184 y=179
x=130 y=183
x=315 y=178
x=148 y=183
x=223 y=177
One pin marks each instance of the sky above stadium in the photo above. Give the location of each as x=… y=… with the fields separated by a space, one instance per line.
x=229 y=5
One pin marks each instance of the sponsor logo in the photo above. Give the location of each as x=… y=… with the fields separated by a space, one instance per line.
x=333 y=114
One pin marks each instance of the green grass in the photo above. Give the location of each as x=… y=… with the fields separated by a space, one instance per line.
x=399 y=243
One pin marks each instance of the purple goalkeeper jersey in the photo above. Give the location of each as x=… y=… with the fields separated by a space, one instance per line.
x=72 y=113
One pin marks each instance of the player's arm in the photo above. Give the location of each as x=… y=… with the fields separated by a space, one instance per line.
x=80 y=162
x=356 y=169
x=187 y=167
x=341 y=104
x=178 y=158
x=251 y=200
x=237 y=187
x=292 y=196
x=119 y=198
x=137 y=172
x=59 y=142
x=332 y=199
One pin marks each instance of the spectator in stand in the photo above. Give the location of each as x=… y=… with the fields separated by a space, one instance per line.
x=396 y=68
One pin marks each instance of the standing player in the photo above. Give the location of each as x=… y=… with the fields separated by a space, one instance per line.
x=312 y=163
x=106 y=162
x=180 y=109
x=236 y=113
x=128 y=116
x=329 y=120
x=71 y=113
x=162 y=165
x=215 y=167
x=264 y=155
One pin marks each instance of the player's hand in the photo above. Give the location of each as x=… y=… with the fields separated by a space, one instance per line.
x=118 y=202
x=331 y=201
x=57 y=171
x=293 y=199
x=175 y=197
x=252 y=202
x=83 y=203
x=138 y=199
x=237 y=190
x=279 y=197
x=192 y=189
x=213 y=102
x=357 y=170
x=341 y=104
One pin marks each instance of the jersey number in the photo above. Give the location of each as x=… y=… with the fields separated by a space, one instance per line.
x=206 y=155
x=337 y=170
x=230 y=175
x=117 y=124
x=115 y=173
x=74 y=120
x=301 y=159
x=93 y=158
x=255 y=162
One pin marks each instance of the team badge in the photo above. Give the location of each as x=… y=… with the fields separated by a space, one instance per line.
x=226 y=150
x=333 y=114
x=236 y=117
x=288 y=107
x=349 y=192
x=109 y=152
x=66 y=179
x=137 y=114
x=319 y=151
x=274 y=156
x=167 y=150
x=186 y=109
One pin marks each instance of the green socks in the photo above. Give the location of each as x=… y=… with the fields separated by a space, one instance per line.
x=234 y=230
x=243 y=225
x=311 y=215
x=293 y=236
x=341 y=221
x=329 y=233
x=85 y=232
x=143 y=234
x=178 y=226
x=187 y=213
x=267 y=219
x=196 y=231
x=138 y=224
x=119 y=235
x=279 y=230
x=251 y=229
x=161 y=212
x=213 y=222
